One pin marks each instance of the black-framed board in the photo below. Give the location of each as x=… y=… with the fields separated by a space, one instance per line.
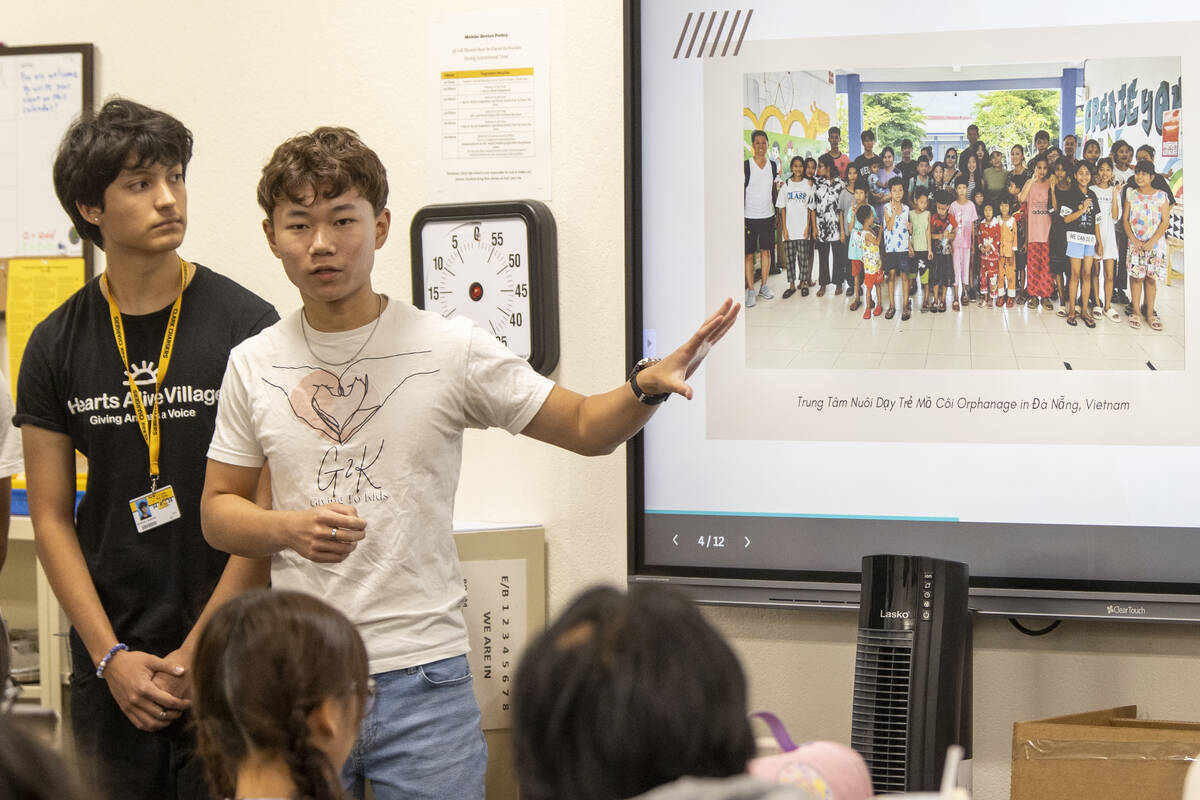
x=43 y=89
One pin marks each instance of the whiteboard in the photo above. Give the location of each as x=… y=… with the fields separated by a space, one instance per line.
x=42 y=91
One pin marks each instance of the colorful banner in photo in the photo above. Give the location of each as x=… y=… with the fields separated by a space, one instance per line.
x=1138 y=100
x=794 y=108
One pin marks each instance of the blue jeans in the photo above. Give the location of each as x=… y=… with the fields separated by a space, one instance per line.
x=423 y=739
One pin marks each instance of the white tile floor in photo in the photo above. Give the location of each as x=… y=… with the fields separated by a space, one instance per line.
x=820 y=333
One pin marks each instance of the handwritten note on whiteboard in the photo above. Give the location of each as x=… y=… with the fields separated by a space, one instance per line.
x=40 y=95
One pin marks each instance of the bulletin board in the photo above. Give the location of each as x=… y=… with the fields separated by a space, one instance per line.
x=43 y=89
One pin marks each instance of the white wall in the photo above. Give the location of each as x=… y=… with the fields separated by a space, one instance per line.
x=245 y=75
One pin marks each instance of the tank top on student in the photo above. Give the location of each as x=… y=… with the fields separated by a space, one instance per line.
x=1039 y=211
x=895 y=238
x=1145 y=215
x=920 y=230
x=854 y=244
x=1104 y=214
x=870 y=254
x=758 y=191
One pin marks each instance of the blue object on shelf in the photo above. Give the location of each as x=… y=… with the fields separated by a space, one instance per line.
x=20 y=502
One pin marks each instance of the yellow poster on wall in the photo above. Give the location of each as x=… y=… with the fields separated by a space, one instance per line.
x=36 y=286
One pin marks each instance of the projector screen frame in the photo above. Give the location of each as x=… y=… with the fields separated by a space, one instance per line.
x=992 y=595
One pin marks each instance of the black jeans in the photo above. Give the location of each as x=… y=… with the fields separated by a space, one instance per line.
x=824 y=252
x=122 y=762
x=1122 y=279
x=841 y=265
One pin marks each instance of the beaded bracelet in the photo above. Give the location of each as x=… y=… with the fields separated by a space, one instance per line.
x=118 y=647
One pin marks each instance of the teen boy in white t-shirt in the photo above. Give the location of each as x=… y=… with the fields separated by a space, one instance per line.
x=359 y=404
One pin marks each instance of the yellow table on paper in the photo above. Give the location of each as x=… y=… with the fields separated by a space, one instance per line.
x=36 y=286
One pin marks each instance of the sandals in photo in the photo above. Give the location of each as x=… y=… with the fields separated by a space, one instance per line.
x=1135 y=322
x=1088 y=320
x=1047 y=303
x=907 y=311
x=1097 y=313
x=1113 y=315
x=788 y=292
x=856 y=305
x=1072 y=321
x=891 y=312
x=955 y=306
x=1061 y=311
x=1155 y=323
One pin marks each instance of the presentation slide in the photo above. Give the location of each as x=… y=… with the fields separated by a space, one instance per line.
x=1018 y=421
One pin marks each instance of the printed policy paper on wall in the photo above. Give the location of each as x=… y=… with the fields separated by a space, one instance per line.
x=490 y=106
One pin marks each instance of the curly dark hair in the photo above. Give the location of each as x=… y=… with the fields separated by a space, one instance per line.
x=94 y=150
x=329 y=160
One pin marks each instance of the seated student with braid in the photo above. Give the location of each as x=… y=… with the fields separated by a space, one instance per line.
x=281 y=685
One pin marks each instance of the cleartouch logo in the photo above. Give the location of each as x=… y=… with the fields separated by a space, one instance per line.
x=1115 y=610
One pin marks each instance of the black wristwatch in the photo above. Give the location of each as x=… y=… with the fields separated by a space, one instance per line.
x=646 y=399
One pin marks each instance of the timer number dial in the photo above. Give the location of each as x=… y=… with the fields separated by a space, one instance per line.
x=480 y=269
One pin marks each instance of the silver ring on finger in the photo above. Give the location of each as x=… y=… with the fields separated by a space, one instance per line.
x=333 y=534
x=162 y=715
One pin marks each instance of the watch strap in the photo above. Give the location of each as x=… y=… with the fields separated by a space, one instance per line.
x=638 y=392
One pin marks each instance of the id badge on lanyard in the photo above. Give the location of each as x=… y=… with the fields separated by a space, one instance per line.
x=158 y=506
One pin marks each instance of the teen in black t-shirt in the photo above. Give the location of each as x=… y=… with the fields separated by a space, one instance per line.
x=136 y=592
x=1078 y=207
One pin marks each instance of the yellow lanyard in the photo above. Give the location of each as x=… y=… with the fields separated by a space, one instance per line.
x=149 y=426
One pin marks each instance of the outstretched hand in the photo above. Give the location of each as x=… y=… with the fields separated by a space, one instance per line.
x=671 y=374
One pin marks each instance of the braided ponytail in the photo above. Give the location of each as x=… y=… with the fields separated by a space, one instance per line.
x=310 y=769
x=255 y=688
x=218 y=767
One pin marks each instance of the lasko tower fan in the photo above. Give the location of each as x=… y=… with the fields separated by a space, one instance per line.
x=912 y=672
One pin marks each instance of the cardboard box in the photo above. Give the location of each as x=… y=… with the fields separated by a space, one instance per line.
x=1102 y=755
